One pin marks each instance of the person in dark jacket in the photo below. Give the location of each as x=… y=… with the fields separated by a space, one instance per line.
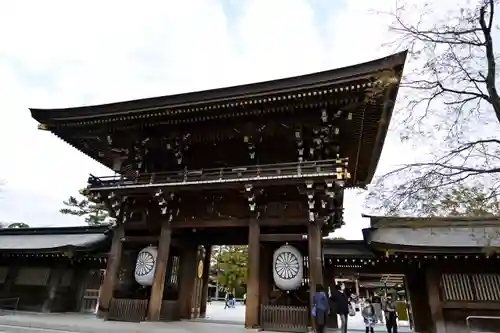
x=342 y=306
x=391 y=316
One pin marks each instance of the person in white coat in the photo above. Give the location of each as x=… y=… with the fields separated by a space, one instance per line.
x=369 y=317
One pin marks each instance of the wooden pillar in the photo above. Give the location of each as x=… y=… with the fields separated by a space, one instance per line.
x=252 y=308
x=315 y=259
x=415 y=279
x=198 y=284
x=409 y=309
x=187 y=278
x=112 y=267
x=156 y=297
x=206 y=273
x=433 y=276
x=266 y=272
x=54 y=281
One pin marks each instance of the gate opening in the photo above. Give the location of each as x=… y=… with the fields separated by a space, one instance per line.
x=227 y=281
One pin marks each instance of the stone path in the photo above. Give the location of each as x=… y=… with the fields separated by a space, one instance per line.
x=64 y=323
x=218 y=320
x=217 y=313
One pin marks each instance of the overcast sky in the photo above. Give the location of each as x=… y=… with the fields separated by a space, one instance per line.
x=68 y=53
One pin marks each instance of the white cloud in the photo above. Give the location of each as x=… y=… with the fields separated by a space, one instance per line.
x=61 y=53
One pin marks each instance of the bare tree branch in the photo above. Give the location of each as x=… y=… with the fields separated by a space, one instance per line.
x=490 y=54
x=451 y=95
x=456 y=63
x=412 y=188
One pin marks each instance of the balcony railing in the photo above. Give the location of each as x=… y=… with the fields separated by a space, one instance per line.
x=483 y=324
x=334 y=169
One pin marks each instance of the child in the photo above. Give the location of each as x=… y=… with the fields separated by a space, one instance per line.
x=369 y=316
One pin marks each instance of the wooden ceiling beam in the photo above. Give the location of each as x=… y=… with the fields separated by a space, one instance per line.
x=265 y=222
x=282 y=238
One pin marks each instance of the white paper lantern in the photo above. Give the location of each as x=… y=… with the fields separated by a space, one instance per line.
x=288 y=268
x=145 y=266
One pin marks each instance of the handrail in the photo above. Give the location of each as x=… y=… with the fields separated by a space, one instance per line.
x=492 y=324
x=332 y=167
x=16 y=303
x=339 y=162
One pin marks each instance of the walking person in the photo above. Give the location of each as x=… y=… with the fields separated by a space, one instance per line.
x=369 y=316
x=342 y=307
x=321 y=307
x=391 y=317
x=377 y=305
x=226 y=301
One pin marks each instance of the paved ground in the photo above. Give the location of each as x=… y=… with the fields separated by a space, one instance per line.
x=65 y=323
x=217 y=313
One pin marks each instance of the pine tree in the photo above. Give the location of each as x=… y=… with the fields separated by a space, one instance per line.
x=231 y=264
x=94 y=213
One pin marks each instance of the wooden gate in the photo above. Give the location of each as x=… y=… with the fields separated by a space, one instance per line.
x=284 y=318
x=90 y=290
x=124 y=309
x=470 y=287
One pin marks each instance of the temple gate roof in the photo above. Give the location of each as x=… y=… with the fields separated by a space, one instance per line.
x=53 y=239
x=366 y=92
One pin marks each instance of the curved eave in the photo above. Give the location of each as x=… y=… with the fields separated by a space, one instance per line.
x=443 y=239
x=382 y=247
x=97 y=229
x=51 y=243
x=420 y=222
x=334 y=248
x=383 y=127
x=53 y=240
x=222 y=94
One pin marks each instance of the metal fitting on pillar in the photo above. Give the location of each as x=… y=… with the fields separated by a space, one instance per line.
x=300 y=145
x=311 y=202
x=251 y=197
